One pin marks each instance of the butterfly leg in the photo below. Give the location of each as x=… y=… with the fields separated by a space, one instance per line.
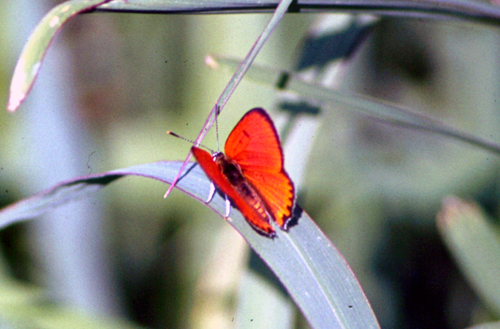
x=211 y=193
x=228 y=207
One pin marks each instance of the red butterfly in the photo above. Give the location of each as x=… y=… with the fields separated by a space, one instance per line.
x=251 y=173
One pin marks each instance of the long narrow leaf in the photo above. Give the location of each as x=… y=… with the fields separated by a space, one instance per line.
x=34 y=50
x=475 y=244
x=377 y=109
x=306 y=262
x=489 y=325
x=31 y=58
x=430 y=9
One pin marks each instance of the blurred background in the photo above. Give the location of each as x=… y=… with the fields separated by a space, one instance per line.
x=113 y=84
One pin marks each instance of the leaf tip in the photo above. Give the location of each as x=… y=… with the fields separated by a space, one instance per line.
x=211 y=62
x=453 y=209
x=17 y=92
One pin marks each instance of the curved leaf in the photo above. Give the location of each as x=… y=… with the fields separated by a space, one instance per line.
x=306 y=262
x=475 y=244
x=377 y=109
x=29 y=63
x=430 y=9
x=34 y=50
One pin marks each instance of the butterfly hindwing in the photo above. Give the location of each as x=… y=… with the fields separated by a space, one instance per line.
x=260 y=222
x=278 y=193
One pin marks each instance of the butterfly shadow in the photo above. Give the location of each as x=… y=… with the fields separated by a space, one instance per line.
x=260 y=268
x=295 y=110
x=187 y=170
x=294 y=220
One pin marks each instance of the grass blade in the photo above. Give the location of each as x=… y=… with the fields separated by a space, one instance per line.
x=312 y=270
x=475 y=245
x=430 y=9
x=376 y=109
x=34 y=50
x=30 y=61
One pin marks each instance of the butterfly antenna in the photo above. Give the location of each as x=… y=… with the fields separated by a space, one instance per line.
x=217 y=111
x=189 y=141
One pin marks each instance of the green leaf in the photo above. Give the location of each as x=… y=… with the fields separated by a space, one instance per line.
x=429 y=9
x=312 y=270
x=29 y=63
x=488 y=325
x=24 y=306
x=475 y=244
x=377 y=109
x=34 y=50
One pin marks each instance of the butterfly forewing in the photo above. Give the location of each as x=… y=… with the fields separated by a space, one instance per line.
x=254 y=145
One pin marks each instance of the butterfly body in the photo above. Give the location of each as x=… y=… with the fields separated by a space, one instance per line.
x=251 y=173
x=238 y=181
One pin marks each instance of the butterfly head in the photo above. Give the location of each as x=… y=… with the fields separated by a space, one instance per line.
x=218 y=156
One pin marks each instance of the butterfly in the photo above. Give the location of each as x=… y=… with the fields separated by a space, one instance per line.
x=251 y=172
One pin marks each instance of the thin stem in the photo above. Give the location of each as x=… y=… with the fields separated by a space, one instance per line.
x=433 y=9
x=235 y=80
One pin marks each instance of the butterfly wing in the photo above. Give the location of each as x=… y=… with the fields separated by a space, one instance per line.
x=254 y=144
x=260 y=222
